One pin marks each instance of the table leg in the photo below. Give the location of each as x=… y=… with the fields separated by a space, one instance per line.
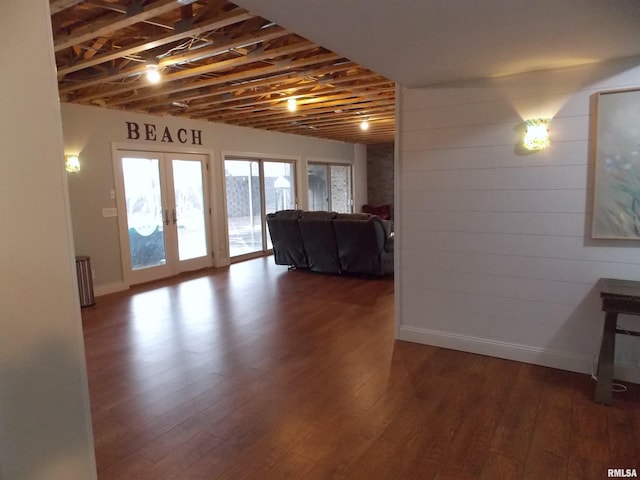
x=604 y=386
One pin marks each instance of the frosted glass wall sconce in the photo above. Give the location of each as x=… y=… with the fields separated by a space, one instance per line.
x=537 y=136
x=72 y=163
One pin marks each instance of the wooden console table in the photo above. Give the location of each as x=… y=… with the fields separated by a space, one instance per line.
x=618 y=296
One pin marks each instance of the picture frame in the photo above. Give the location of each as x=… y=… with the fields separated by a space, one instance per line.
x=616 y=197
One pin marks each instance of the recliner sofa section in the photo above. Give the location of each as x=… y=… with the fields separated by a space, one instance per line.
x=329 y=242
x=286 y=238
x=319 y=241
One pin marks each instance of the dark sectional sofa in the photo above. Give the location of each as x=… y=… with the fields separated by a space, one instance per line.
x=330 y=242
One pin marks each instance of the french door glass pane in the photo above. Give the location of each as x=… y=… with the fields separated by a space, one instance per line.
x=190 y=205
x=318 y=187
x=340 y=188
x=244 y=206
x=144 y=212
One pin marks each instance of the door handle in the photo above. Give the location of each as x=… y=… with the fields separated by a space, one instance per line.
x=166 y=217
x=174 y=216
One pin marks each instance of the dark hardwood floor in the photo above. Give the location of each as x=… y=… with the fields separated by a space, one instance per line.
x=256 y=372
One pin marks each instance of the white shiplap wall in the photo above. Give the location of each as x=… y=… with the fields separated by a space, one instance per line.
x=494 y=247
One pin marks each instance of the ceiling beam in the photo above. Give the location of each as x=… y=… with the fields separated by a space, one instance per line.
x=282 y=118
x=268 y=34
x=291 y=89
x=257 y=87
x=231 y=77
x=304 y=98
x=89 y=32
x=114 y=7
x=258 y=119
x=59 y=5
x=226 y=19
x=384 y=114
x=205 y=69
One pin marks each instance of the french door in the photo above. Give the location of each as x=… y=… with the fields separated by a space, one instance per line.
x=164 y=213
x=255 y=187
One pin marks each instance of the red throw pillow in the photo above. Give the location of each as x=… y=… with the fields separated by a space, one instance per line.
x=383 y=211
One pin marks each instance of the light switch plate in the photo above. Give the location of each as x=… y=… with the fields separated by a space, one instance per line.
x=109 y=212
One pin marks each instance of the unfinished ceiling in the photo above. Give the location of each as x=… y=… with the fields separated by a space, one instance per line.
x=218 y=63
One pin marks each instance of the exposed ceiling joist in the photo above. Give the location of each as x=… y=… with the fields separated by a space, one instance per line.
x=254 y=99
x=91 y=31
x=232 y=77
x=189 y=56
x=59 y=5
x=218 y=63
x=256 y=88
x=198 y=71
x=224 y=20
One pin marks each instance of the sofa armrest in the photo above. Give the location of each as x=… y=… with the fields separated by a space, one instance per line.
x=389 y=244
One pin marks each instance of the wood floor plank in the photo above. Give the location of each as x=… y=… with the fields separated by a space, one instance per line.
x=501 y=467
x=581 y=469
x=517 y=424
x=132 y=467
x=258 y=372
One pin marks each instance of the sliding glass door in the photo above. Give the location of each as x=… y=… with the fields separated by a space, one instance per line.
x=255 y=187
x=330 y=187
x=164 y=216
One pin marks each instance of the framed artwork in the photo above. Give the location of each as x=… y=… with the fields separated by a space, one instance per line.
x=616 y=199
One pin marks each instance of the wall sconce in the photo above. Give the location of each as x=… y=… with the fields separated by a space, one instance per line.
x=537 y=136
x=72 y=163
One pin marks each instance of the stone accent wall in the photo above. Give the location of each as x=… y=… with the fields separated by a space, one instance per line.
x=380 y=174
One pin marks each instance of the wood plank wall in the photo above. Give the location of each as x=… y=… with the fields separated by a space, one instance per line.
x=496 y=255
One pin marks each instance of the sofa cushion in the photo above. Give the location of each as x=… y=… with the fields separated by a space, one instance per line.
x=319 y=241
x=354 y=216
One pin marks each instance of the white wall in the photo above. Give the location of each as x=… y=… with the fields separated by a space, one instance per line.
x=45 y=424
x=90 y=131
x=495 y=251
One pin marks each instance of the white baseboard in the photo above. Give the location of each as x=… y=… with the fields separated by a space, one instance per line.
x=512 y=351
x=108 y=288
x=493 y=348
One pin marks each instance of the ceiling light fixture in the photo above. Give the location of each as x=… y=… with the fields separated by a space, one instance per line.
x=364 y=125
x=153 y=73
x=292 y=105
x=537 y=136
